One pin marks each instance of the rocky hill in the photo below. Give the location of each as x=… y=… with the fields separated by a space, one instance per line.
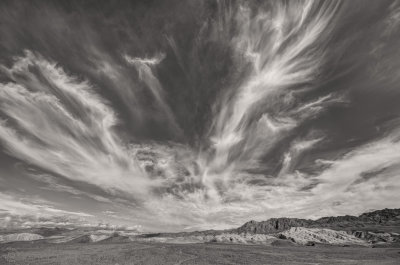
x=376 y=219
x=381 y=216
x=273 y=225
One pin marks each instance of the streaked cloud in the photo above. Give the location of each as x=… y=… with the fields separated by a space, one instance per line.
x=64 y=127
x=198 y=115
x=20 y=205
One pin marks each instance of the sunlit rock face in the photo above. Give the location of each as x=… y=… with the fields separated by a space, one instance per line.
x=19 y=237
x=202 y=114
x=303 y=235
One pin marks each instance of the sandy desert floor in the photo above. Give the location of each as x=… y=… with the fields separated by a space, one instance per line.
x=165 y=254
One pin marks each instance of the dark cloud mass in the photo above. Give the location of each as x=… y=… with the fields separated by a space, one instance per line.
x=172 y=115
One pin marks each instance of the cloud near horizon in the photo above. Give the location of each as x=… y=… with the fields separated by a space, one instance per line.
x=201 y=115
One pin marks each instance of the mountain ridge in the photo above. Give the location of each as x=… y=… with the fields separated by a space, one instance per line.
x=377 y=220
x=274 y=225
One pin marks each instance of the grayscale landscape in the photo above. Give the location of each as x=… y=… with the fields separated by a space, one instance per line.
x=199 y=132
x=371 y=238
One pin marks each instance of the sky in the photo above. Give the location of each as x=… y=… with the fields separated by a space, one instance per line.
x=200 y=114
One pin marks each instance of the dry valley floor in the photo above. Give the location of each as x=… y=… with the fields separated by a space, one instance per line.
x=135 y=253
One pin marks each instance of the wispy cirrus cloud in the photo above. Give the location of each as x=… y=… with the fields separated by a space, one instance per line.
x=146 y=75
x=242 y=110
x=51 y=183
x=264 y=109
x=26 y=205
x=64 y=127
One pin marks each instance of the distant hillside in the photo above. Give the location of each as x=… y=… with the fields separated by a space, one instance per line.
x=49 y=231
x=385 y=217
x=19 y=237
